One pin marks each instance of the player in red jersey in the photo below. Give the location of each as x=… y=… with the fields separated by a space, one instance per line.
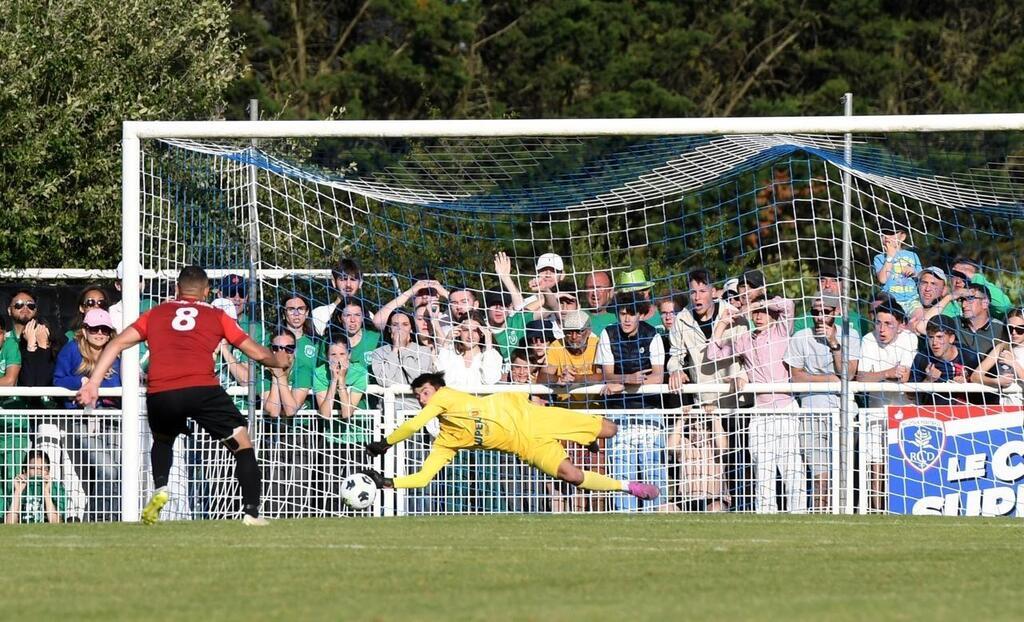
x=182 y=335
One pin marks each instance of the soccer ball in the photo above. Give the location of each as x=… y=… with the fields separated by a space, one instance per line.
x=358 y=491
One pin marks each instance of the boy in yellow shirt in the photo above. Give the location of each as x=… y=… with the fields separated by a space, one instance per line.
x=506 y=422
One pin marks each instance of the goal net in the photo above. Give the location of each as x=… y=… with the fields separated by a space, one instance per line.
x=688 y=288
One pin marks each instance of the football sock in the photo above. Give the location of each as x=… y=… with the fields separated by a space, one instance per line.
x=597 y=481
x=161 y=455
x=248 y=473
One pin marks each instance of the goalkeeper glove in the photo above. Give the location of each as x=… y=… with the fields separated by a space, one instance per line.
x=378 y=479
x=377 y=448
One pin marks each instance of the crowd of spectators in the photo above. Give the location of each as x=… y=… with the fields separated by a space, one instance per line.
x=716 y=447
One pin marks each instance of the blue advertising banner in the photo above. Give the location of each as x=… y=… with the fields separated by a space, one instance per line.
x=956 y=460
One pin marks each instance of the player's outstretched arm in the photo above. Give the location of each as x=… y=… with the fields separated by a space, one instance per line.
x=262 y=354
x=439 y=456
x=90 y=390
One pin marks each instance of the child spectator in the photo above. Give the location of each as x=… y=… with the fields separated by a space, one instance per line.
x=35 y=497
x=774 y=437
x=945 y=361
x=896 y=268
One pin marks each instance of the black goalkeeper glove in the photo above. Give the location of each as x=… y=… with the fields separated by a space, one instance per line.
x=377 y=448
x=378 y=479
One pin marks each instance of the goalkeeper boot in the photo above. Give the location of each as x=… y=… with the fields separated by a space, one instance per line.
x=644 y=491
x=151 y=513
x=593 y=447
x=254 y=521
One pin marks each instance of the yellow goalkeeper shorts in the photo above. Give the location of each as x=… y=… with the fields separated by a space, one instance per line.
x=547 y=426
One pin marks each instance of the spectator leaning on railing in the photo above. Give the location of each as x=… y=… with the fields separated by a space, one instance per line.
x=35 y=497
x=94 y=440
x=13 y=428
x=1003 y=366
x=38 y=343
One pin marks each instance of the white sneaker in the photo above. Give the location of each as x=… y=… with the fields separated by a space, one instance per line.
x=254 y=521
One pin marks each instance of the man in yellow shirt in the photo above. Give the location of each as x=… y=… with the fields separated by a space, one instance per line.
x=506 y=422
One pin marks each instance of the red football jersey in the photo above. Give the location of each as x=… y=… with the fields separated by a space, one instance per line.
x=182 y=337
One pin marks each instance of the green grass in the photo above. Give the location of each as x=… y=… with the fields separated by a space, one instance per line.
x=518 y=568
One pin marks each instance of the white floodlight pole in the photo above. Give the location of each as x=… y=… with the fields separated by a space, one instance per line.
x=131 y=161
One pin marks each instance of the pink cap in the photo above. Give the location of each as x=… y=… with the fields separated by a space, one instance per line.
x=98 y=317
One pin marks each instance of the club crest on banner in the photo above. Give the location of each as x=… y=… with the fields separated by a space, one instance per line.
x=921 y=442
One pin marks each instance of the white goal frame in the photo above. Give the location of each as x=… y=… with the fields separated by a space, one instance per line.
x=135 y=131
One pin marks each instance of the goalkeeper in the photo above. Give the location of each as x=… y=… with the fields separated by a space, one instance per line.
x=506 y=422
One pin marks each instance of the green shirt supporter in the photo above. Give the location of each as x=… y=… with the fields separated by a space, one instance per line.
x=10 y=354
x=302 y=374
x=258 y=334
x=359 y=429
x=33 y=507
x=999 y=304
x=361 y=352
x=509 y=337
x=858 y=322
x=600 y=321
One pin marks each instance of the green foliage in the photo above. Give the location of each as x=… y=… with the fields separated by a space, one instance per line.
x=70 y=72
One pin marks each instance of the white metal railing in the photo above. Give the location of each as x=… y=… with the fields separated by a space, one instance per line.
x=843 y=496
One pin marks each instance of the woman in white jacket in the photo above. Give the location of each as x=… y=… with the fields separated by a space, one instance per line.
x=470 y=361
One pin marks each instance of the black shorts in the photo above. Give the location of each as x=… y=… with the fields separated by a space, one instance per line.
x=210 y=407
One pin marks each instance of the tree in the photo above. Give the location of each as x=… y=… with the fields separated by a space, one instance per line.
x=70 y=72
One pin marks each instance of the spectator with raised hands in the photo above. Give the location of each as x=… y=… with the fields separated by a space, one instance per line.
x=774 y=436
x=934 y=293
x=945 y=361
x=35 y=497
x=424 y=291
x=507 y=315
x=428 y=333
x=470 y=360
x=37 y=343
x=1003 y=366
x=896 y=267
x=402 y=358
x=966 y=271
x=278 y=398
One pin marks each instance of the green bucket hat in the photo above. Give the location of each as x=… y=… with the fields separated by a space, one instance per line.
x=632 y=281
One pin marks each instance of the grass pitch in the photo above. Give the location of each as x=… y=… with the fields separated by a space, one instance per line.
x=518 y=568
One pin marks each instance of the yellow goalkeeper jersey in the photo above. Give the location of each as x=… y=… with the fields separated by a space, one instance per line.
x=468 y=421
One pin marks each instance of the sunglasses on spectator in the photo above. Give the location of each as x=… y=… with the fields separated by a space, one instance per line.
x=93 y=330
x=1016 y=329
x=21 y=304
x=96 y=302
x=968 y=299
x=295 y=310
x=822 y=311
x=288 y=348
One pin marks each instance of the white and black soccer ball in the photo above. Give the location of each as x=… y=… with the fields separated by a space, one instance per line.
x=358 y=491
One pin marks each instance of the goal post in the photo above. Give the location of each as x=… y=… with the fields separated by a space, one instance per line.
x=783 y=195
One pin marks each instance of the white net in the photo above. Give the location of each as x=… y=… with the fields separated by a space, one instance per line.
x=471 y=256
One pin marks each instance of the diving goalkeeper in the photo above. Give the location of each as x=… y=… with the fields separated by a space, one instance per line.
x=506 y=422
